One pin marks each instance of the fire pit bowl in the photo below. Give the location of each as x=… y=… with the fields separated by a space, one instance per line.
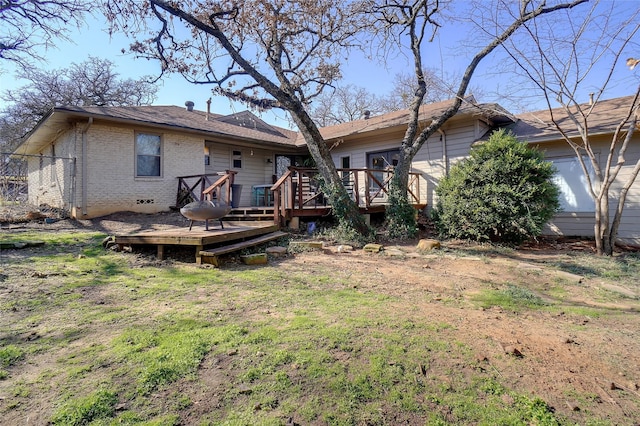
x=204 y=210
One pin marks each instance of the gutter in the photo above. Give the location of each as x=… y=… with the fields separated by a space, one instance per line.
x=445 y=156
x=84 y=165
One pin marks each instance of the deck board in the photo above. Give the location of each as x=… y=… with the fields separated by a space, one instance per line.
x=198 y=237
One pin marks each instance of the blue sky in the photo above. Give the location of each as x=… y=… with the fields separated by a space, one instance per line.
x=92 y=39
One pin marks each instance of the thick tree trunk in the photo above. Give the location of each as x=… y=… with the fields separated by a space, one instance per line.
x=344 y=208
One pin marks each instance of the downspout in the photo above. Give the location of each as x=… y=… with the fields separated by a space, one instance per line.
x=445 y=156
x=84 y=165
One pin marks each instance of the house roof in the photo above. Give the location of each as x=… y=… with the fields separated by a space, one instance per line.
x=603 y=118
x=494 y=112
x=243 y=126
x=248 y=128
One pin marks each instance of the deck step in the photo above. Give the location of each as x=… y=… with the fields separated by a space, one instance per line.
x=211 y=255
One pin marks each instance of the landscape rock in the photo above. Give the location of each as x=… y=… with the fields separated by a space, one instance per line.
x=254 y=259
x=512 y=350
x=277 y=251
x=428 y=244
x=394 y=252
x=372 y=248
x=306 y=244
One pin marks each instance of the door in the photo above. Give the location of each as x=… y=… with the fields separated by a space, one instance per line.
x=384 y=161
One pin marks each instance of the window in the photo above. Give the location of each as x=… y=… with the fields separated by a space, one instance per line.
x=148 y=154
x=207 y=157
x=236 y=160
x=284 y=161
x=345 y=163
x=574 y=191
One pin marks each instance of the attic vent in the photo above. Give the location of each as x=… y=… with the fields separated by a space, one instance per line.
x=367 y=114
x=189 y=105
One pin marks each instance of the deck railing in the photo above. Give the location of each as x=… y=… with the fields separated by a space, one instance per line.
x=206 y=186
x=299 y=189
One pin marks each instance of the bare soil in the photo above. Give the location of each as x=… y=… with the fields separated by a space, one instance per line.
x=572 y=361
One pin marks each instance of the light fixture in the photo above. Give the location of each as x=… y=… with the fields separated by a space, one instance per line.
x=269 y=161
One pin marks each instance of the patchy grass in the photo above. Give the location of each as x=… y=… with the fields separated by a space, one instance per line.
x=99 y=405
x=9 y=355
x=623 y=268
x=512 y=297
x=97 y=337
x=53 y=238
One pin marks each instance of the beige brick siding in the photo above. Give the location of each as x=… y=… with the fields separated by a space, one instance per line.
x=51 y=176
x=111 y=182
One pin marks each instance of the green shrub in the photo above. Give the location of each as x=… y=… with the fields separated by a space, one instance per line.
x=503 y=193
x=400 y=216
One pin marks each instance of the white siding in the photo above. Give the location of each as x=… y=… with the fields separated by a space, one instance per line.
x=429 y=161
x=255 y=170
x=581 y=224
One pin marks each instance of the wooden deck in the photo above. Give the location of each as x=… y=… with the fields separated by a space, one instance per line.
x=198 y=237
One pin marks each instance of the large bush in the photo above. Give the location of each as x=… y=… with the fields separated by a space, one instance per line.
x=503 y=192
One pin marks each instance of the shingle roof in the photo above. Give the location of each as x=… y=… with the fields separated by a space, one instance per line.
x=537 y=126
x=401 y=118
x=178 y=117
x=533 y=126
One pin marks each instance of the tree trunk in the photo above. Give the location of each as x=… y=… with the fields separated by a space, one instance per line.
x=601 y=229
x=344 y=208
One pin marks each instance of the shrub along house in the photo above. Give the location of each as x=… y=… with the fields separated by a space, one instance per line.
x=94 y=161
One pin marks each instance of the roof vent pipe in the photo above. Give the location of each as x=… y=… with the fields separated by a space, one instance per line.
x=208 y=109
x=367 y=114
x=590 y=99
x=189 y=105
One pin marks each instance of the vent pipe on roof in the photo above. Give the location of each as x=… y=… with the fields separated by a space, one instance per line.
x=208 y=109
x=367 y=114
x=189 y=105
x=590 y=99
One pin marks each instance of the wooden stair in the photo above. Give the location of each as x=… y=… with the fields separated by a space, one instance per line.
x=250 y=213
x=211 y=255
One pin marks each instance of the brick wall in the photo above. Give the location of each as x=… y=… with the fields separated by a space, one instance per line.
x=112 y=185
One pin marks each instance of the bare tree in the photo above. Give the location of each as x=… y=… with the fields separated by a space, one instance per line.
x=92 y=82
x=564 y=63
x=347 y=103
x=416 y=21
x=439 y=88
x=268 y=54
x=28 y=25
x=344 y=104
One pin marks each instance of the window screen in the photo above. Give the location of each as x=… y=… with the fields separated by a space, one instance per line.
x=148 y=154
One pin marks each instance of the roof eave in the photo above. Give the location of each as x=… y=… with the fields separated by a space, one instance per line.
x=46 y=135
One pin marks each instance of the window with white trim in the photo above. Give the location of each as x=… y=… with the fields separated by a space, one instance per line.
x=574 y=189
x=148 y=155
